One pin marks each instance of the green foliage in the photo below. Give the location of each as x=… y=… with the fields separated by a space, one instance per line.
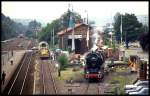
x=144 y=41
x=32 y=27
x=63 y=61
x=34 y=24
x=106 y=39
x=117 y=23
x=122 y=81
x=113 y=47
x=59 y=24
x=131 y=28
x=29 y=33
x=10 y=28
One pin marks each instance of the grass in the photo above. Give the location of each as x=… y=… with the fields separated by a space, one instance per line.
x=68 y=74
x=120 y=80
x=119 y=70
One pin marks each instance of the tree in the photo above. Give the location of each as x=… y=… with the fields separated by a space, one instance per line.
x=131 y=28
x=32 y=27
x=59 y=24
x=34 y=24
x=117 y=23
x=143 y=38
x=63 y=61
x=10 y=28
x=29 y=33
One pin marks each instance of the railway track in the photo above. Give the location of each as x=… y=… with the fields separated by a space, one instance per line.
x=92 y=88
x=54 y=84
x=49 y=86
x=32 y=44
x=18 y=44
x=17 y=83
x=43 y=78
x=11 y=44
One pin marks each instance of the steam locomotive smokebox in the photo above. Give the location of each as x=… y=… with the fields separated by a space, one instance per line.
x=94 y=65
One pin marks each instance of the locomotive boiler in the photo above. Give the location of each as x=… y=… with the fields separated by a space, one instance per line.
x=94 y=65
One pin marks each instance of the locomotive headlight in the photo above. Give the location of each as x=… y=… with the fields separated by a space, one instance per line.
x=87 y=72
x=99 y=72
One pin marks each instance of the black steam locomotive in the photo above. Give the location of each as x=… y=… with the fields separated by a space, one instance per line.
x=94 y=65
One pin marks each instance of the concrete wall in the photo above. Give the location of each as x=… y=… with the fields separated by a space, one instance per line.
x=6 y=57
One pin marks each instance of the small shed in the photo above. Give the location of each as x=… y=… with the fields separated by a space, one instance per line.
x=80 y=37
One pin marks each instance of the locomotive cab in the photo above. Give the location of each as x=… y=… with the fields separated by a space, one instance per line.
x=44 y=50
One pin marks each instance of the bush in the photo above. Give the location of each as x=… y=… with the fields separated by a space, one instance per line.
x=63 y=61
x=114 y=47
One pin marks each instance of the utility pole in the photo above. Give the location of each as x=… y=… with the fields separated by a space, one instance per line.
x=35 y=32
x=121 y=29
x=53 y=37
x=71 y=25
x=110 y=33
x=87 y=31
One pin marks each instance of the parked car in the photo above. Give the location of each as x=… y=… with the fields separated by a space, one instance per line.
x=135 y=90
x=34 y=48
x=58 y=50
x=138 y=83
x=20 y=45
x=66 y=52
x=143 y=91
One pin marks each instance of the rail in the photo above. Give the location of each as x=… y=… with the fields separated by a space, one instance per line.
x=90 y=84
x=26 y=62
x=43 y=80
x=26 y=75
x=54 y=85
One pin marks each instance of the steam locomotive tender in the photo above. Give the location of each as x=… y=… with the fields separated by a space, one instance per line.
x=94 y=67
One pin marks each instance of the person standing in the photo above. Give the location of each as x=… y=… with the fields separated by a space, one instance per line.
x=3 y=77
x=12 y=53
x=11 y=61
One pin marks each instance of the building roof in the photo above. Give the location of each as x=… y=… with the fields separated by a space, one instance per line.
x=70 y=29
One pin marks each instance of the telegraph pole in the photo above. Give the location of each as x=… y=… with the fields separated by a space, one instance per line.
x=121 y=29
x=87 y=31
x=53 y=37
x=71 y=24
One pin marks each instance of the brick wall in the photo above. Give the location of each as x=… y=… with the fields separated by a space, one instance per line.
x=144 y=70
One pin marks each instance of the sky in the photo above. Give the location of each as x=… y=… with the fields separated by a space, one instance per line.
x=48 y=11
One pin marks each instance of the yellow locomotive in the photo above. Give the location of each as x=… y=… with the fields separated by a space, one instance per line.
x=44 y=50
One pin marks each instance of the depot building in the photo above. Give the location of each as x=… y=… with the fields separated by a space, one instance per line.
x=82 y=44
